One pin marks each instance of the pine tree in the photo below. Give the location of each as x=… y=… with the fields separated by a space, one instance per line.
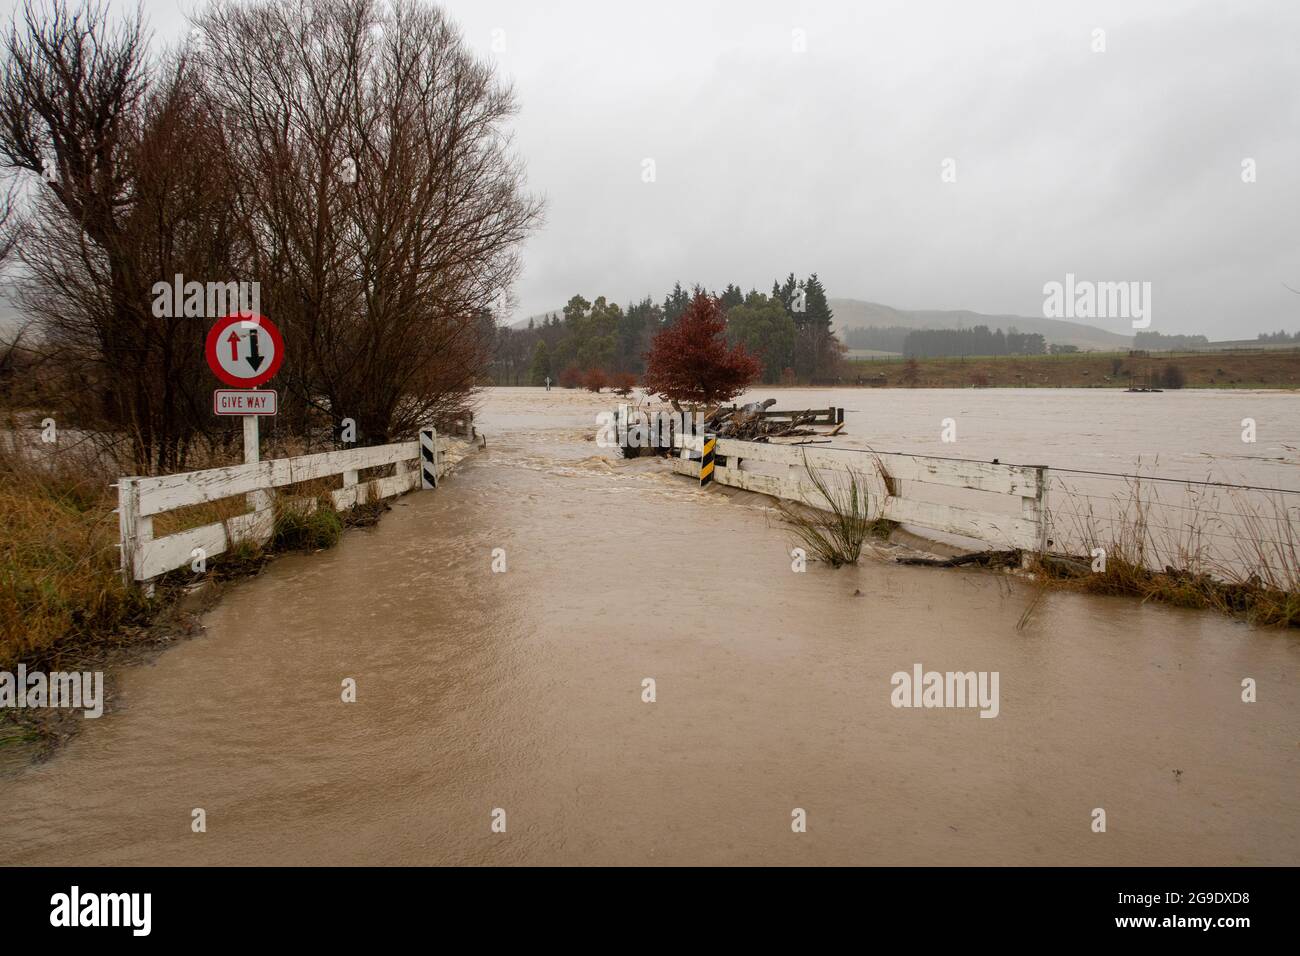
x=786 y=293
x=817 y=351
x=540 y=369
x=731 y=297
x=817 y=311
x=675 y=304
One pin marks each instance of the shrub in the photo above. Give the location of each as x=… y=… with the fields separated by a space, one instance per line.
x=1173 y=377
x=571 y=377
x=622 y=383
x=594 y=379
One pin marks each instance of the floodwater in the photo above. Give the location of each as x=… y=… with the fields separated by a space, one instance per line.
x=523 y=690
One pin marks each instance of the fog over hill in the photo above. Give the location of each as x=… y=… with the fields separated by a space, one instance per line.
x=857 y=314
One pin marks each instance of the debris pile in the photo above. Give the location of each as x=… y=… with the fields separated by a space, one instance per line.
x=749 y=423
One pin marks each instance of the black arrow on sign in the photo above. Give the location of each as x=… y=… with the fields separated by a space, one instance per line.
x=254 y=356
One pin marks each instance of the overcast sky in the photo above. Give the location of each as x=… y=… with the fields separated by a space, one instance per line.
x=1116 y=165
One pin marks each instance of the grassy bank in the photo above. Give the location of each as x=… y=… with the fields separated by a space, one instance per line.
x=1240 y=369
x=59 y=581
x=61 y=594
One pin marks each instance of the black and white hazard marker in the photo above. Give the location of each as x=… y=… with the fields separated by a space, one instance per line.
x=428 y=458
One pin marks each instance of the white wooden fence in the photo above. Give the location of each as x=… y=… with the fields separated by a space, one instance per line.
x=909 y=475
x=141 y=499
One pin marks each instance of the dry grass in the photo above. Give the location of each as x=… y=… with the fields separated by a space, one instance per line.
x=60 y=585
x=1256 y=574
x=58 y=557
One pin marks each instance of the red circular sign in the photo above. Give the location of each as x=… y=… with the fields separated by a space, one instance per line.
x=245 y=350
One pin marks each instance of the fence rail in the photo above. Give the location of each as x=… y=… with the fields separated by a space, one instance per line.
x=141 y=499
x=820 y=416
x=1026 y=530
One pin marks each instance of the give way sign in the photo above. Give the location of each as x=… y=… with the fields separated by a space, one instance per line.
x=245 y=350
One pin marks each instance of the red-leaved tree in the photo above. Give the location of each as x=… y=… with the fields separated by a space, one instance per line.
x=690 y=361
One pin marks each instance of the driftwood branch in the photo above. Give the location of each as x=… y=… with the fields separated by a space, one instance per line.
x=983 y=559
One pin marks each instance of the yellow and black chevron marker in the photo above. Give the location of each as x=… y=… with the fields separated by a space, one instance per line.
x=706 y=459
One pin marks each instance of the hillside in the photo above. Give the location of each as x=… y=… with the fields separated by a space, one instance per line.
x=856 y=314
x=538 y=318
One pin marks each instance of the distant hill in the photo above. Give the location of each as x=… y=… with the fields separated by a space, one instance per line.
x=523 y=323
x=857 y=314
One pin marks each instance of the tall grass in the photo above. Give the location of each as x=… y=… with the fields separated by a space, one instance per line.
x=60 y=582
x=839 y=519
x=1180 y=562
x=59 y=560
x=299 y=528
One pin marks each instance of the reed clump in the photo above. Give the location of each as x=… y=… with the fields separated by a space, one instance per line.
x=835 y=524
x=300 y=528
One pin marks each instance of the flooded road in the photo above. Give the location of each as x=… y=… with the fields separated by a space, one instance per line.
x=522 y=691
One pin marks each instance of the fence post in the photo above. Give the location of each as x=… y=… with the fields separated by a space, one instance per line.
x=135 y=530
x=128 y=513
x=1044 y=513
x=429 y=459
x=1035 y=510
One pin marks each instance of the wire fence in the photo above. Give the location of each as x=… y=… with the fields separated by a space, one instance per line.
x=1230 y=530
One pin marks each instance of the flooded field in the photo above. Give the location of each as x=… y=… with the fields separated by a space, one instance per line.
x=1184 y=434
x=523 y=690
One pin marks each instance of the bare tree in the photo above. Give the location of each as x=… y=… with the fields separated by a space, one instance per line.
x=389 y=209
x=124 y=197
x=346 y=154
x=11 y=223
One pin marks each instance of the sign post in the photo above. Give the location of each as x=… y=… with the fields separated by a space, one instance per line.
x=245 y=350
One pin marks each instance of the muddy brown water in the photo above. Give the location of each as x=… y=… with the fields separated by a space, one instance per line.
x=523 y=691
